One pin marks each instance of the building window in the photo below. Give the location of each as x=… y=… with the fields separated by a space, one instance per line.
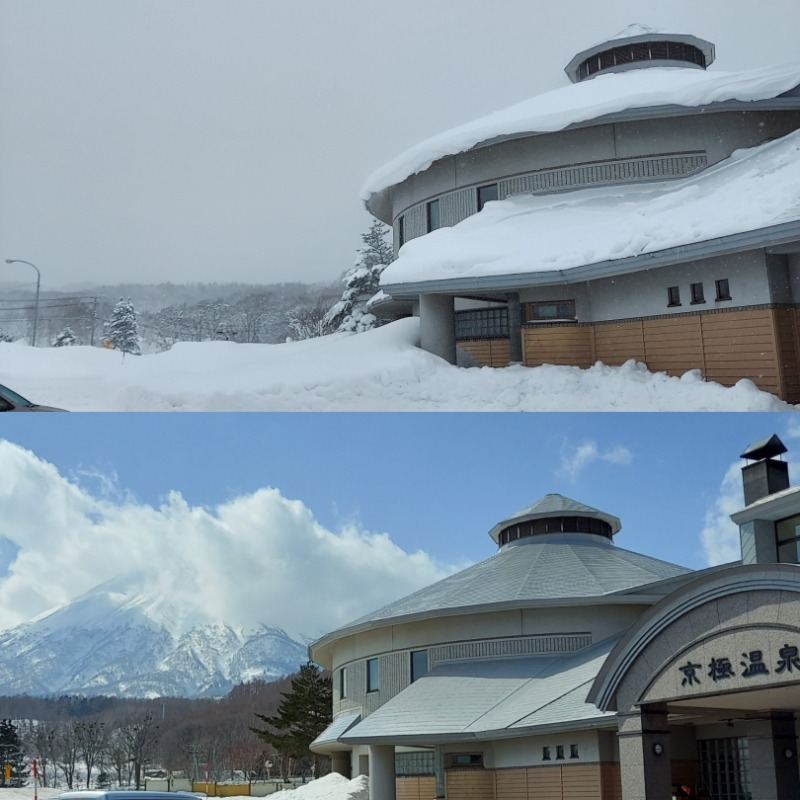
x=486 y=194
x=550 y=311
x=573 y=751
x=673 y=296
x=724 y=768
x=545 y=754
x=419 y=664
x=697 y=293
x=723 y=289
x=559 y=751
x=414 y=763
x=342 y=683
x=432 y=212
x=373 y=675
x=401 y=231
x=465 y=759
x=482 y=323
x=787 y=540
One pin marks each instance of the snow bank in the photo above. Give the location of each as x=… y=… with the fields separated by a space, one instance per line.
x=379 y=370
x=588 y=100
x=330 y=787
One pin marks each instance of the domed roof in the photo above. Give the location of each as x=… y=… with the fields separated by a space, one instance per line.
x=568 y=567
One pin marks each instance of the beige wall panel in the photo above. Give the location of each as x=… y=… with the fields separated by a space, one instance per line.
x=560 y=345
x=469 y=784
x=616 y=343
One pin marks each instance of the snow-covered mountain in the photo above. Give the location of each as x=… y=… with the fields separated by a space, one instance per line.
x=119 y=640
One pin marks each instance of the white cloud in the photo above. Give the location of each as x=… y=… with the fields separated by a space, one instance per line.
x=720 y=536
x=258 y=558
x=572 y=463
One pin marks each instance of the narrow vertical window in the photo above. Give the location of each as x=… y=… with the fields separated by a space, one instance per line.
x=342 y=683
x=559 y=751
x=486 y=194
x=401 y=231
x=373 y=675
x=419 y=664
x=673 y=296
x=573 y=751
x=545 y=754
x=697 y=293
x=723 y=289
x=433 y=215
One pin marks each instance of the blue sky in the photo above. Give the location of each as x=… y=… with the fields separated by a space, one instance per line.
x=436 y=483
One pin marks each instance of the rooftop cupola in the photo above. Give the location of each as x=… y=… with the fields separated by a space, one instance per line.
x=554 y=513
x=639 y=46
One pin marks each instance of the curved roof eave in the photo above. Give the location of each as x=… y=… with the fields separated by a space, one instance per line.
x=635 y=596
x=706 y=586
x=786 y=233
x=378 y=203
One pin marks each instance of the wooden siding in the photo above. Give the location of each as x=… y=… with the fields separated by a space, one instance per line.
x=568 y=345
x=487 y=352
x=760 y=344
x=619 y=342
x=558 y=782
x=416 y=787
x=469 y=784
x=610 y=782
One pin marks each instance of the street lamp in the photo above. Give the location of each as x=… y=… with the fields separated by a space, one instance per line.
x=36 y=305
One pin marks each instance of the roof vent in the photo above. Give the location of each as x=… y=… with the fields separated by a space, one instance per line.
x=639 y=46
x=766 y=476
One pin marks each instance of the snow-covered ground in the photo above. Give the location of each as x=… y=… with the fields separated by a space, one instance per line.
x=330 y=787
x=379 y=370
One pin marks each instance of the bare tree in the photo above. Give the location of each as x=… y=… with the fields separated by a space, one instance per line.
x=66 y=751
x=139 y=737
x=92 y=739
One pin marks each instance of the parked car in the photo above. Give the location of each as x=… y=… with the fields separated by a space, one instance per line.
x=11 y=401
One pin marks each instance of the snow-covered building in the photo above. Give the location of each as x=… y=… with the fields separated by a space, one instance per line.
x=649 y=210
x=566 y=667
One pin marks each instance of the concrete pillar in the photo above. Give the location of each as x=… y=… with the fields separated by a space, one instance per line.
x=437 y=326
x=644 y=754
x=340 y=762
x=515 y=328
x=438 y=770
x=381 y=772
x=772 y=757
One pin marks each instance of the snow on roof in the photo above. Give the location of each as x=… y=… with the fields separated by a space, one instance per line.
x=753 y=189
x=588 y=100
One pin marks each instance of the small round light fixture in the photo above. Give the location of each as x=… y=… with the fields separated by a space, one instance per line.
x=788 y=753
x=658 y=748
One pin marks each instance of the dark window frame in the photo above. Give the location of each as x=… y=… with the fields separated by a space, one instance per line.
x=673 y=296
x=698 y=293
x=722 y=288
x=546 y=754
x=559 y=752
x=488 y=188
x=401 y=230
x=560 y=306
x=373 y=681
x=573 y=751
x=429 y=215
x=343 y=683
x=415 y=675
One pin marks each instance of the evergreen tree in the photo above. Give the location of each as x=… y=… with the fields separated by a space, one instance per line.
x=123 y=329
x=303 y=714
x=66 y=338
x=362 y=283
x=5 y=336
x=14 y=771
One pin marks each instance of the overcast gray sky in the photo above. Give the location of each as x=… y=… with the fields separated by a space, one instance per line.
x=227 y=140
